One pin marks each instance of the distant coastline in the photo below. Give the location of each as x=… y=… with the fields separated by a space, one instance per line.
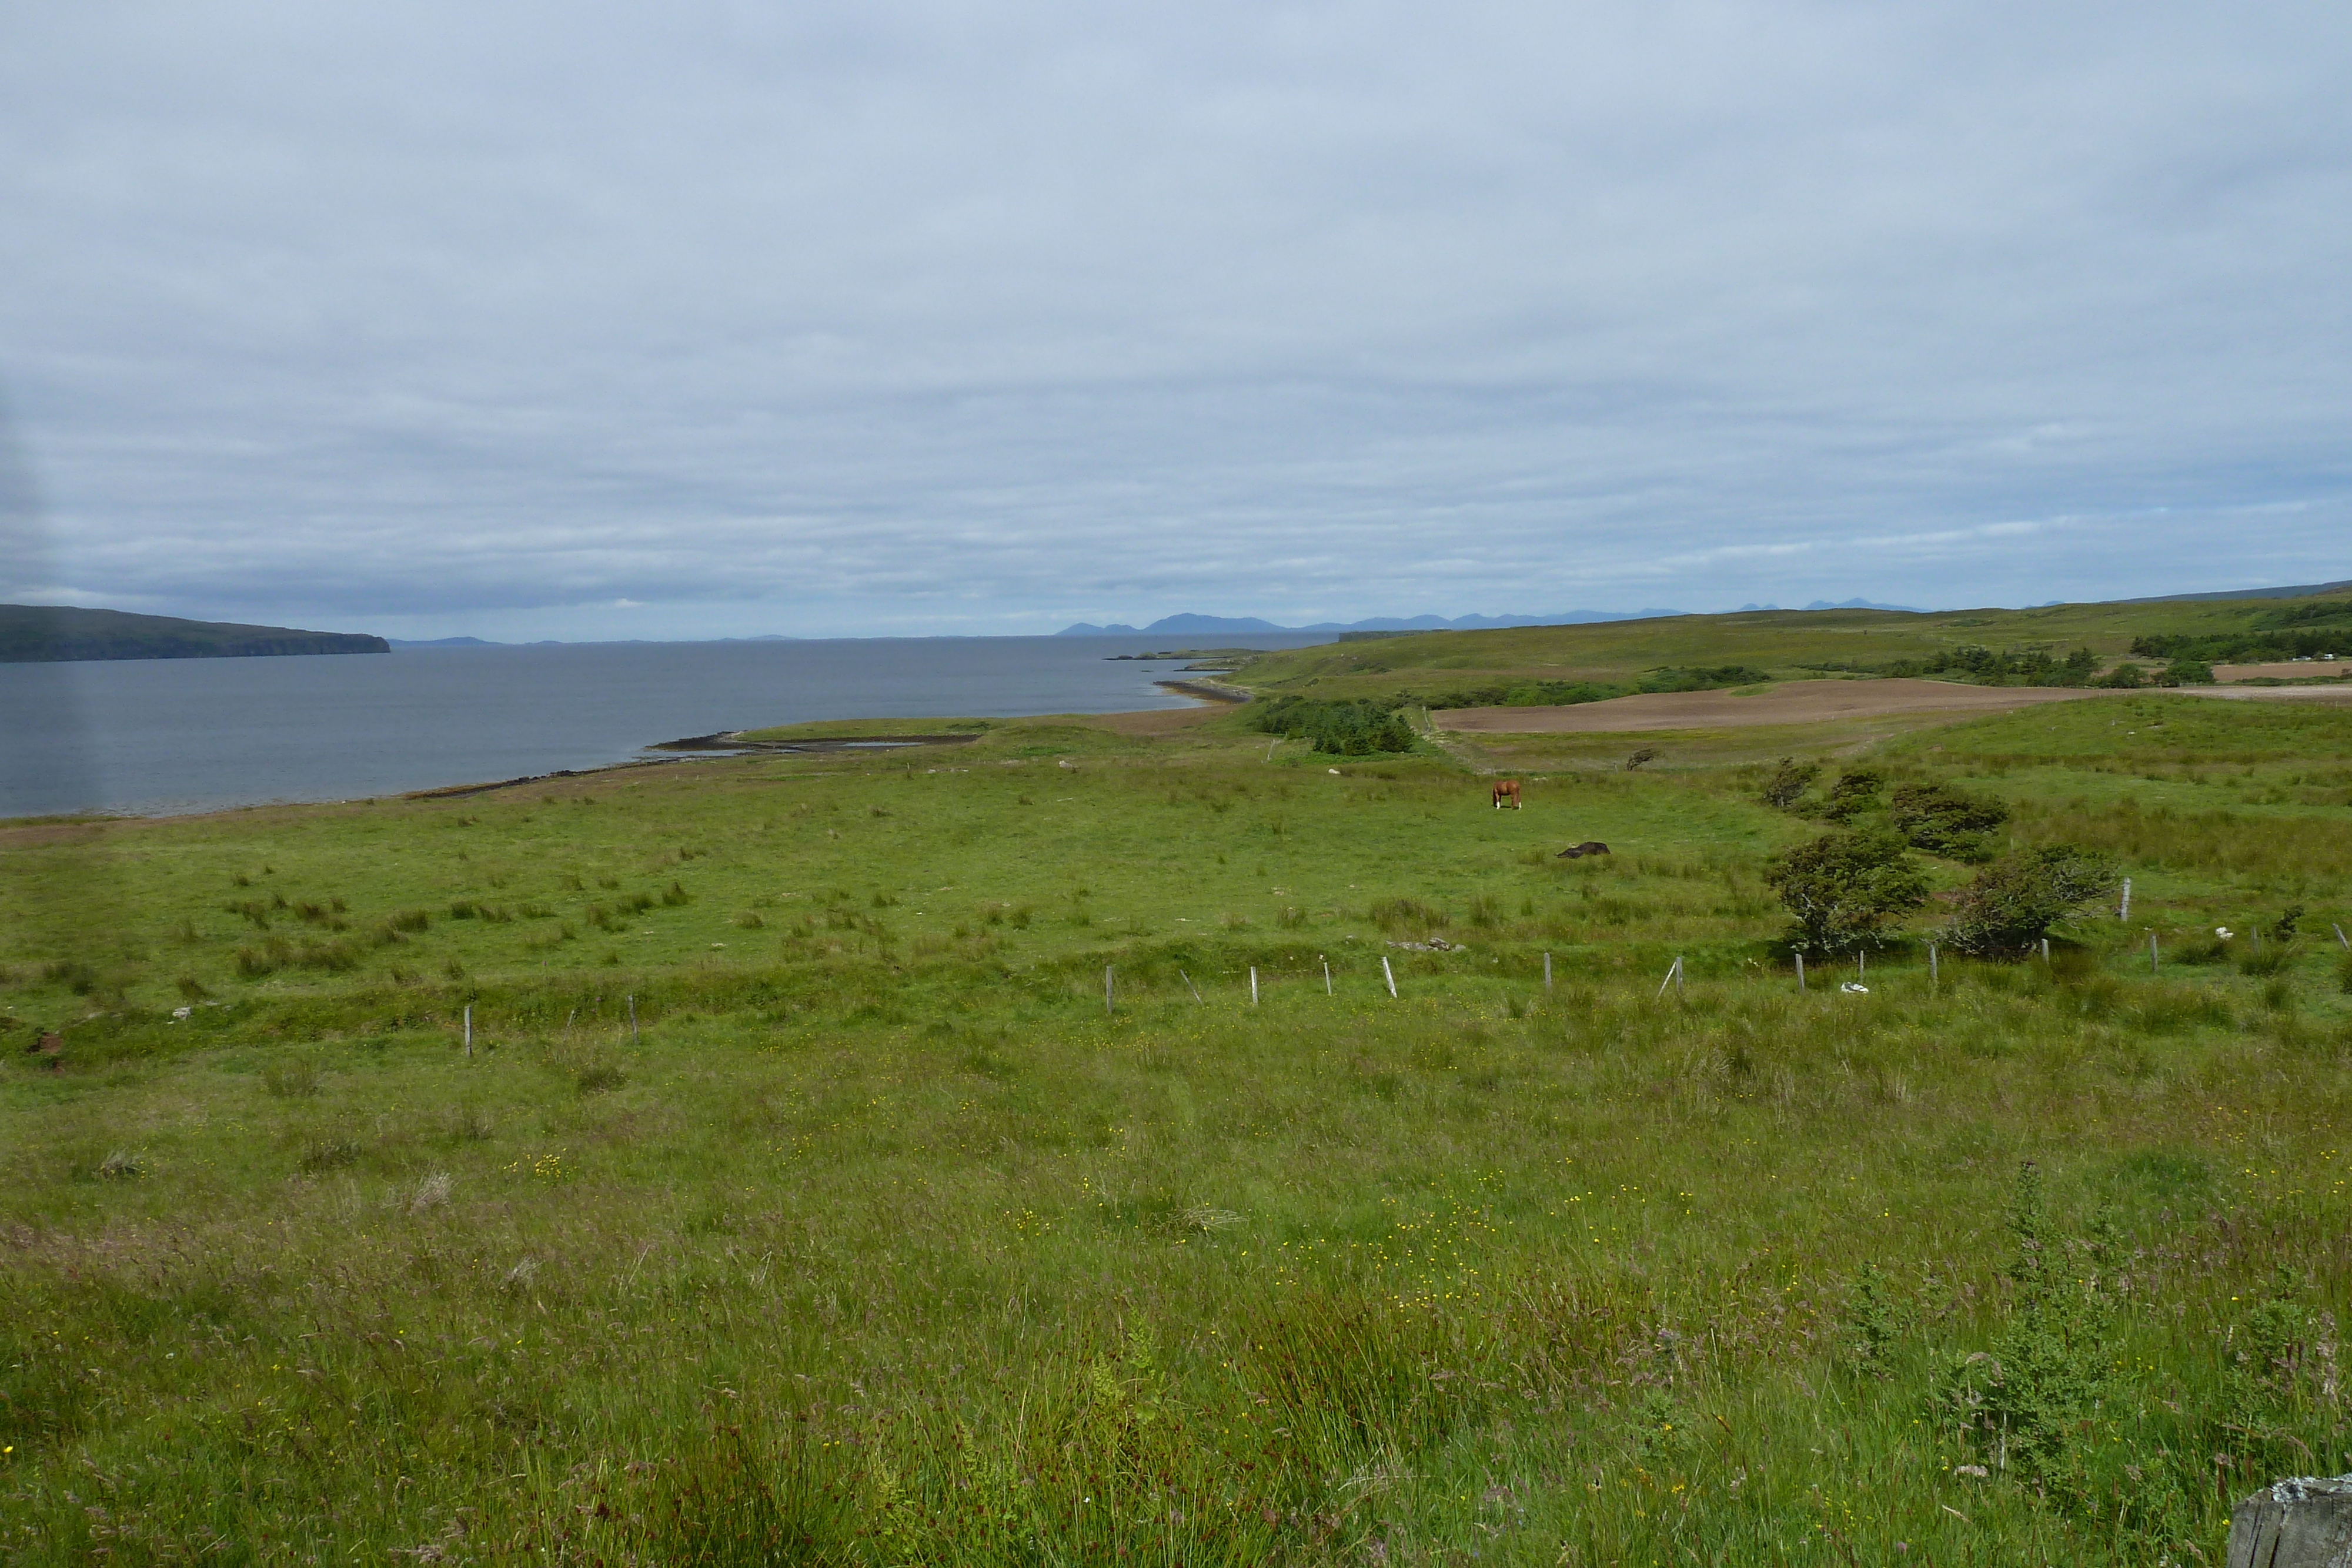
x=50 y=634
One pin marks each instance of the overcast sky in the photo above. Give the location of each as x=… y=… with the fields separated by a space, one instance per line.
x=694 y=319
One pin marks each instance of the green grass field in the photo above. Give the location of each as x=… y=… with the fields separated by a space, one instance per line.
x=1787 y=643
x=801 y=1201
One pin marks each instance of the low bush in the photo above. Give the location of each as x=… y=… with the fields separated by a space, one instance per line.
x=2012 y=903
x=1944 y=821
x=1843 y=889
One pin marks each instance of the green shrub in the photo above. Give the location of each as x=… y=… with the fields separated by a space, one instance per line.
x=2012 y=903
x=1789 y=782
x=2028 y=1403
x=1844 y=888
x=1944 y=821
x=1855 y=791
x=1358 y=728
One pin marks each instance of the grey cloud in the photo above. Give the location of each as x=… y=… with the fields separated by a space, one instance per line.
x=929 y=317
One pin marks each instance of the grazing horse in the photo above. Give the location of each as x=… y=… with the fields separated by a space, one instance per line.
x=1588 y=847
x=1507 y=790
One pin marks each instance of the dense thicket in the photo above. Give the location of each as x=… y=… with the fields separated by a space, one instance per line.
x=1342 y=728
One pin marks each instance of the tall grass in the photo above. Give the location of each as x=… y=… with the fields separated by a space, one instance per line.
x=886 y=1242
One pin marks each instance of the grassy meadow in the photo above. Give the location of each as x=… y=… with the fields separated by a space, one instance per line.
x=1786 y=643
x=801 y=1200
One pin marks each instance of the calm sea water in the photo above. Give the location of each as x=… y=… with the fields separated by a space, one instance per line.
x=157 y=736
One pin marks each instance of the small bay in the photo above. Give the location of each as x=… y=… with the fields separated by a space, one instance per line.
x=165 y=736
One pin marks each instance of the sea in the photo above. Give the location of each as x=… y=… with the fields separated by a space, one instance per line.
x=162 y=736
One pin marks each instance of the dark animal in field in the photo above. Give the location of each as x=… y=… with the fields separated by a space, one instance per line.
x=49 y=1044
x=1588 y=847
x=1507 y=790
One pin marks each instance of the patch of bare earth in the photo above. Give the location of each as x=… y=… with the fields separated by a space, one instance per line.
x=1796 y=702
x=2287 y=670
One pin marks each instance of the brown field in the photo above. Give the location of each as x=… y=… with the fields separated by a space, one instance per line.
x=1798 y=702
x=2285 y=670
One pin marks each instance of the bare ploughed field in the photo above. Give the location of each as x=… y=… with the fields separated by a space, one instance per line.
x=1796 y=701
x=2285 y=670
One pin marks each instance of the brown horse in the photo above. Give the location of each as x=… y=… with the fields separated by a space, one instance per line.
x=1507 y=789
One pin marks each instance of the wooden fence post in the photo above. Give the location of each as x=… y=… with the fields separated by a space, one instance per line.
x=1801 y=971
x=1934 y=977
x=2304 y=1522
x=469 y=1029
x=1546 y=971
x=2151 y=952
x=1390 y=975
x=2124 y=913
x=1107 y=1006
x=1253 y=985
x=1326 y=974
x=634 y=1037
x=1190 y=985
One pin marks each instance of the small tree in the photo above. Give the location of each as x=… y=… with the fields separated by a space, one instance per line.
x=1844 y=888
x=1946 y=822
x=2013 y=902
x=1789 y=782
x=2185 y=673
x=1855 y=791
x=2124 y=677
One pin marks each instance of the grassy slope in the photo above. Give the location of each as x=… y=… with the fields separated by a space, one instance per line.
x=1780 y=641
x=881 y=1238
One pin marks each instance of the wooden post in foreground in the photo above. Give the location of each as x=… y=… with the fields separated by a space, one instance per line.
x=1107 y=1006
x=1253 y=985
x=1933 y=976
x=2304 y=1521
x=2151 y=952
x=634 y=1038
x=2346 y=942
x=1546 y=971
x=1801 y=971
x=1390 y=975
x=2124 y=913
x=1326 y=974
x=1190 y=985
x=469 y=1029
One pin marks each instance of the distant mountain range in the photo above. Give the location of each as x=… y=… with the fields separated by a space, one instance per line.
x=1842 y=604
x=1210 y=625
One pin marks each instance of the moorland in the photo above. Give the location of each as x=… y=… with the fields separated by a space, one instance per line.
x=1159 y=1140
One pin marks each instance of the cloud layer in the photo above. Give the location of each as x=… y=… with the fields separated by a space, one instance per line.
x=942 y=318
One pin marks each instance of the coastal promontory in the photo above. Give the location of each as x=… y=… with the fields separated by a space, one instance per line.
x=48 y=633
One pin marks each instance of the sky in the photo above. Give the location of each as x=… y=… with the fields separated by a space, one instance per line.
x=584 y=320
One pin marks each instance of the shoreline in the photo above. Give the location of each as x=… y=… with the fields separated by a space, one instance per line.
x=718 y=745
